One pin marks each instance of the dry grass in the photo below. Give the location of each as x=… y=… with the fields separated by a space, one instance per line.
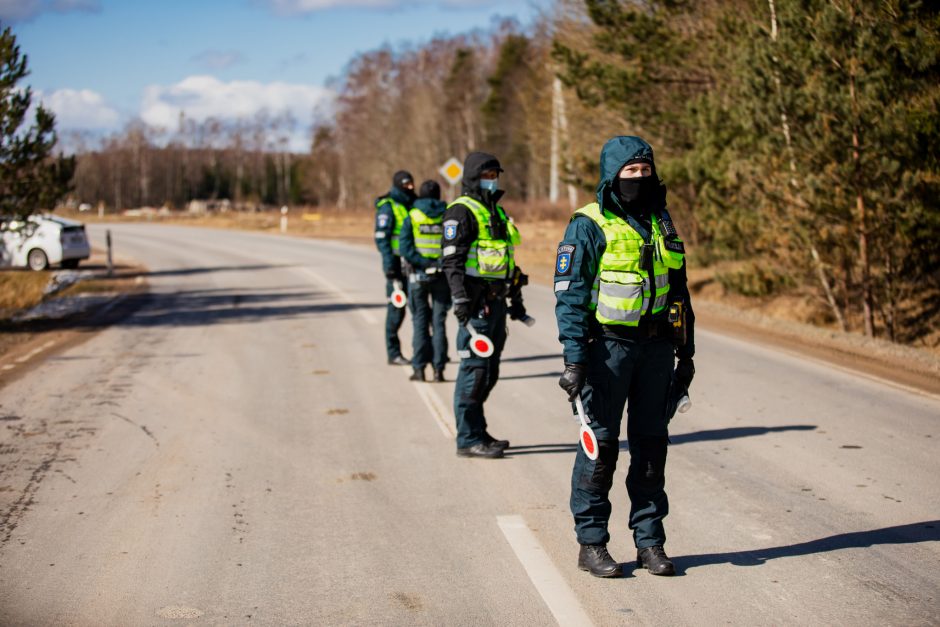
x=21 y=289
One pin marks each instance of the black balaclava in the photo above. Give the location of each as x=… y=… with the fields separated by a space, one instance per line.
x=637 y=195
x=400 y=179
x=430 y=189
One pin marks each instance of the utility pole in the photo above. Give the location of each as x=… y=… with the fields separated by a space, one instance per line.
x=559 y=138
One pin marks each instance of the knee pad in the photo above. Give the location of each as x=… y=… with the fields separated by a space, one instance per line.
x=648 y=459
x=603 y=476
x=478 y=391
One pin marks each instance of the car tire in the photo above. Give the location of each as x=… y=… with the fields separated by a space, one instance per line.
x=70 y=264
x=37 y=260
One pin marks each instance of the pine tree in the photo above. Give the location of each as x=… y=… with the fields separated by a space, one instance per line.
x=30 y=179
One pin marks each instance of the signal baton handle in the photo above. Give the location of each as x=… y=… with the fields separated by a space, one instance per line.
x=587 y=437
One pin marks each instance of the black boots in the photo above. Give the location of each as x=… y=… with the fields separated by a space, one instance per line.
x=491 y=441
x=438 y=375
x=654 y=558
x=480 y=450
x=595 y=559
x=417 y=375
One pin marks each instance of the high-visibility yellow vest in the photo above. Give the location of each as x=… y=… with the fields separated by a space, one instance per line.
x=427 y=232
x=489 y=258
x=400 y=212
x=622 y=289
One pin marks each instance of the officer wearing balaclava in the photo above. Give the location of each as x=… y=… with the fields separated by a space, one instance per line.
x=390 y=213
x=479 y=263
x=624 y=318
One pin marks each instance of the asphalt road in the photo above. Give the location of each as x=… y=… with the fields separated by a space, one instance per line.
x=236 y=451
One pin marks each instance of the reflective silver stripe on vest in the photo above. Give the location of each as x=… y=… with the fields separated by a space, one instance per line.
x=662 y=280
x=660 y=301
x=595 y=290
x=619 y=290
x=616 y=314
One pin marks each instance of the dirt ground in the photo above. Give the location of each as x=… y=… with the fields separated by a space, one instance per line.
x=780 y=322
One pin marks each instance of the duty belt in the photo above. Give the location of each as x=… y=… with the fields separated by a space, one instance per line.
x=646 y=329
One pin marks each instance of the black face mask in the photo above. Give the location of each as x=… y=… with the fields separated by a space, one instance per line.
x=635 y=193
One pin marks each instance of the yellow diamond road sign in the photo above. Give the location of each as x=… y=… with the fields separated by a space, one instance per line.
x=452 y=171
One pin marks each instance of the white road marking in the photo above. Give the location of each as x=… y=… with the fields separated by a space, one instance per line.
x=32 y=353
x=822 y=362
x=438 y=409
x=559 y=598
x=366 y=314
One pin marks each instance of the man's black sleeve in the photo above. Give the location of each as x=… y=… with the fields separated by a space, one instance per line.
x=460 y=230
x=679 y=289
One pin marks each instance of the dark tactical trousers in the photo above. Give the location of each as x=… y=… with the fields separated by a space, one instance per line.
x=429 y=302
x=635 y=374
x=393 y=320
x=476 y=375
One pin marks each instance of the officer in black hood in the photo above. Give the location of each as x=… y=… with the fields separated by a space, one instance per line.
x=390 y=213
x=479 y=264
x=626 y=323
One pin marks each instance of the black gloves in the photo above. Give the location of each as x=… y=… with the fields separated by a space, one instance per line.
x=516 y=310
x=462 y=311
x=685 y=371
x=392 y=275
x=572 y=380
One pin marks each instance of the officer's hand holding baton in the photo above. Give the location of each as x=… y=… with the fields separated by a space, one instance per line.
x=572 y=380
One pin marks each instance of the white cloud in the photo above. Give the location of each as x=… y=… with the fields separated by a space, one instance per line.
x=218 y=59
x=203 y=97
x=24 y=10
x=79 y=109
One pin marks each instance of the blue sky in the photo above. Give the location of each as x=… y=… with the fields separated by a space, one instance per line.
x=100 y=63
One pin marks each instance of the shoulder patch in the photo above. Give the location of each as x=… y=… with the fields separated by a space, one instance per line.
x=563 y=260
x=450 y=229
x=381 y=220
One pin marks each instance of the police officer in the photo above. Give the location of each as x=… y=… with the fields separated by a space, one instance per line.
x=619 y=271
x=428 y=293
x=479 y=265
x=390 y=213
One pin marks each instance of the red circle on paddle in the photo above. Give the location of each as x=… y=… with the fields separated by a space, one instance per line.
x=588 y=442
x=481 y=345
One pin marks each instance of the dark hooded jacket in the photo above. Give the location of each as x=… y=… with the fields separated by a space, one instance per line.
x=432 y=208
x=385 y=227
x=585 y=242
x=465 y=230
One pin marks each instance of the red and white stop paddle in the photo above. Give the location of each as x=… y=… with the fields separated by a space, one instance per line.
x=398 y=297
x=481 y=345
x=587 y=437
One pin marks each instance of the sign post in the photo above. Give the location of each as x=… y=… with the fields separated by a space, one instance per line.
x=452 y=171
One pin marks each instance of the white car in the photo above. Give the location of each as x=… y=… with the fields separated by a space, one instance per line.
x=42 y=241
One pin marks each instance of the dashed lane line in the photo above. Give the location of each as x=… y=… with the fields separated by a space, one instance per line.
x=549 y=583
x=22 y=359
x=442 y=416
